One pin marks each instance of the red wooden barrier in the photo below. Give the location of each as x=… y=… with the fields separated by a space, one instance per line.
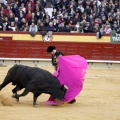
x=32 y=49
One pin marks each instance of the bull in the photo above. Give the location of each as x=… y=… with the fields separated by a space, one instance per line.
x=35 y=80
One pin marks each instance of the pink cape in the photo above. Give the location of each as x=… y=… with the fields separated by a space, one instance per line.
x=71 y=72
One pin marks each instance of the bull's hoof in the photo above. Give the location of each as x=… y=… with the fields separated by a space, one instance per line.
x=72 y=101
x=17 y=99
x=35 y=105
x=15 y=96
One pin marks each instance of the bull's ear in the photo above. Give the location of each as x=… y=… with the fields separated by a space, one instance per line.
x=64 y=87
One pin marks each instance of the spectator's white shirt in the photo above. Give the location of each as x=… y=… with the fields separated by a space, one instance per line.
x=13 y=28
x=107 y=30
x=77 y=27
x=24 y=9
x=33 y=28
x=98 y=3
x=3 y=1
x=81 y=8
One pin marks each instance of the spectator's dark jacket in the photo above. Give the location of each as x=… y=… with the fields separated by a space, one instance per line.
x=46 y=24
x=50 y=28
x=115 y=28
x=7 y=27
x=42 y=28
x=54 y=14
x=30 y=21
x=39 y=16
x=21 y=1
x=17 y=24
x=66 y=3
x=62 y=29
x=11 y=19
x=43 y=3
x=89 y=30
x=20 y=18
x=58 y=5
x=15 y=11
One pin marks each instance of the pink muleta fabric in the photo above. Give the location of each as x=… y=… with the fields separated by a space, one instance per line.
x=71 y=72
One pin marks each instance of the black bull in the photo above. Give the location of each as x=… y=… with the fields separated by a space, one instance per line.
x=35 y=80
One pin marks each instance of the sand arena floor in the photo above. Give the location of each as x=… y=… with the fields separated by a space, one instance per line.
x=99 y=100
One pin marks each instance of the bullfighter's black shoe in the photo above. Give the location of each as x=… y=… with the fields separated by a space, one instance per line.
x=72 y=101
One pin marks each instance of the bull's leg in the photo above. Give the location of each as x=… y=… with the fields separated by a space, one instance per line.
x=35 y=96
x=4 y=84
x=25 y=92
x=17 y=88
x=14 y=91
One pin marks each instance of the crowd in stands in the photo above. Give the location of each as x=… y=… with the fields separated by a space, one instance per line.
x=82 y=16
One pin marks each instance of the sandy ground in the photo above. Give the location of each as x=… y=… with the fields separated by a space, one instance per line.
x=99 y=100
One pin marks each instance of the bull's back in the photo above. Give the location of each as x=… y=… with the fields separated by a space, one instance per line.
x=26 y=74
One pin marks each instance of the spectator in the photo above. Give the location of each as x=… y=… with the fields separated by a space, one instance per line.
x=46 y=16
x=1 y=27
x=21 y=15
x=96 y=12
x=46 y=22
x=102 y=29
x=17 y=23
x=88 y=10
x=77 y=26
x=53 y=3
x=80 y=7
x=28 y=16
x=65 y=3
x=21 y=1
x=107 y=29
x=32 y=19
x=43 y=3
x=39 y=15
x=55 y=24
x=23 y=7
x=11 y=17
x=6 y=25
x=15 y=9
x=54 y=13
x=25 y=27
x=62 y=27
x=41 y=27
x=58 y=4
x=115 y=26
x=72 y=25
x=3 y=1
x=12 y=26
x=50 y=27
x=30 y=6
x=80 y=28
x=1 y=7
x=6 y=10
x=110 y=19
x=88 y=28
x=33 y=29
x=22 y=24
x=1 y=16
